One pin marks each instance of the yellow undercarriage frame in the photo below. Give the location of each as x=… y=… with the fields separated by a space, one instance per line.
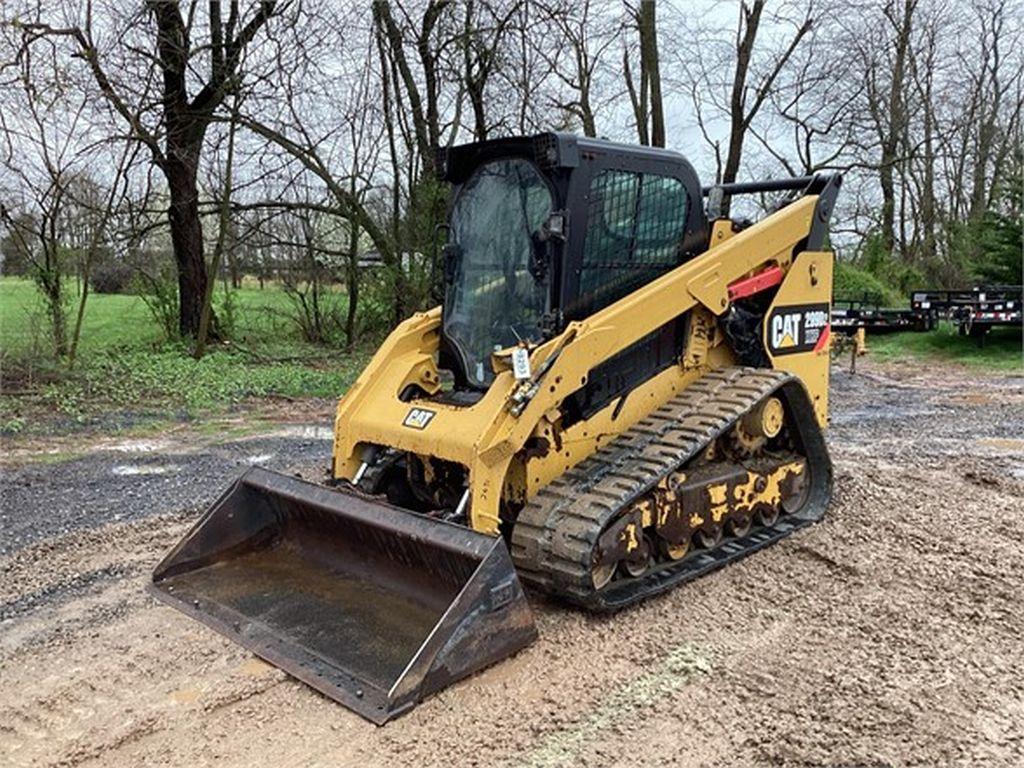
x=488 y=437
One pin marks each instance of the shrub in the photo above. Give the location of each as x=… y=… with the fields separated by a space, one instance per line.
x=895 y=274
x=159 y=292
x=850 y=282
x=112 y=277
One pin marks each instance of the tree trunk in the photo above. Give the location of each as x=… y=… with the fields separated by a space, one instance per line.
x=636 y=99
x=651 y=69
x=54 y=301
x=890 y=142
x=738 y=119
x=888 y=186
x=234 y=271
x=187 y=240
x=223 y=227
x=928 y=207
x=587 y=113
x=352 y=285
x=476 y=98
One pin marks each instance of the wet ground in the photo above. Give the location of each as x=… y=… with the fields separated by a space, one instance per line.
x=890 y=634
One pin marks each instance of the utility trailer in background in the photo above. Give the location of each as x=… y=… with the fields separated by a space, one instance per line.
x=974 y=311
x=849 y=314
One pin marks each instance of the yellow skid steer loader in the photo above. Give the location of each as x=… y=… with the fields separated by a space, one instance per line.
x=622 y=390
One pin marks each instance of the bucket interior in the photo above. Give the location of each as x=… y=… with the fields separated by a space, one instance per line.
x=339 y=590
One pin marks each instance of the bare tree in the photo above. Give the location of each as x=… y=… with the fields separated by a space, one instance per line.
x=97 y=213
x=924 y=69
x=756 y=60
x=810 y=119
x=747 y=98
x=422 y=102
x=886 y=86
x=645 y=96
x=484 y=33
x=223 y=227
x=994 y=80
x=41 y=155
x=526 y=71
x=582 y=33
x=164 y=101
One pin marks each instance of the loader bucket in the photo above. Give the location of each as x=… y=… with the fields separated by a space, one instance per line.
x=374 y=606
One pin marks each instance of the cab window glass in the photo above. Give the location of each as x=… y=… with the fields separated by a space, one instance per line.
x=634 y=227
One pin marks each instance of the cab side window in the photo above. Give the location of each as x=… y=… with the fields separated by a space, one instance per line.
x=635 y=225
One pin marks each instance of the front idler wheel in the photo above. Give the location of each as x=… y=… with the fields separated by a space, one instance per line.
x=798 y=496
x=601 y=573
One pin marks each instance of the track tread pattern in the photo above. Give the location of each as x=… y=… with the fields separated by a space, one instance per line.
x=557 y=530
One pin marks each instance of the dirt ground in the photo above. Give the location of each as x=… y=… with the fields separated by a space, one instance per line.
x=892 y=634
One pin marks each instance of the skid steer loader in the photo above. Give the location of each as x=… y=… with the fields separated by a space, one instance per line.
x=623 y=390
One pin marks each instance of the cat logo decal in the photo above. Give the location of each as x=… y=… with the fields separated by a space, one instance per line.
x=797 y=328
x=418 y=418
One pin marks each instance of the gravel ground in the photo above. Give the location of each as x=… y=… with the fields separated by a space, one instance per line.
x=889 y=635
x=136 y=479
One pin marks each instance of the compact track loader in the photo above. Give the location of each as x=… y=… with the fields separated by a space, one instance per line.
x=622 y=390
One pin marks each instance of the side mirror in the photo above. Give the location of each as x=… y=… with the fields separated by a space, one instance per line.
x=554 y=227
x=542 y=242
x=451 y=253
x=541 y=253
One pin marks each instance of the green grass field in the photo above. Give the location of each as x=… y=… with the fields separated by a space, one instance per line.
x=108 y=321
x=1001 y=350
x=118 y=321
x=125 y=363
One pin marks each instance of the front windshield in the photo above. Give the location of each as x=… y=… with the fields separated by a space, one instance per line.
x=494 y=300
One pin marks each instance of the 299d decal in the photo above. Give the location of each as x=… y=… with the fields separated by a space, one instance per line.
x=797 y=328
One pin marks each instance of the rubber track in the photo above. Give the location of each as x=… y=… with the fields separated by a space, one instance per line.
x=556 y=532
